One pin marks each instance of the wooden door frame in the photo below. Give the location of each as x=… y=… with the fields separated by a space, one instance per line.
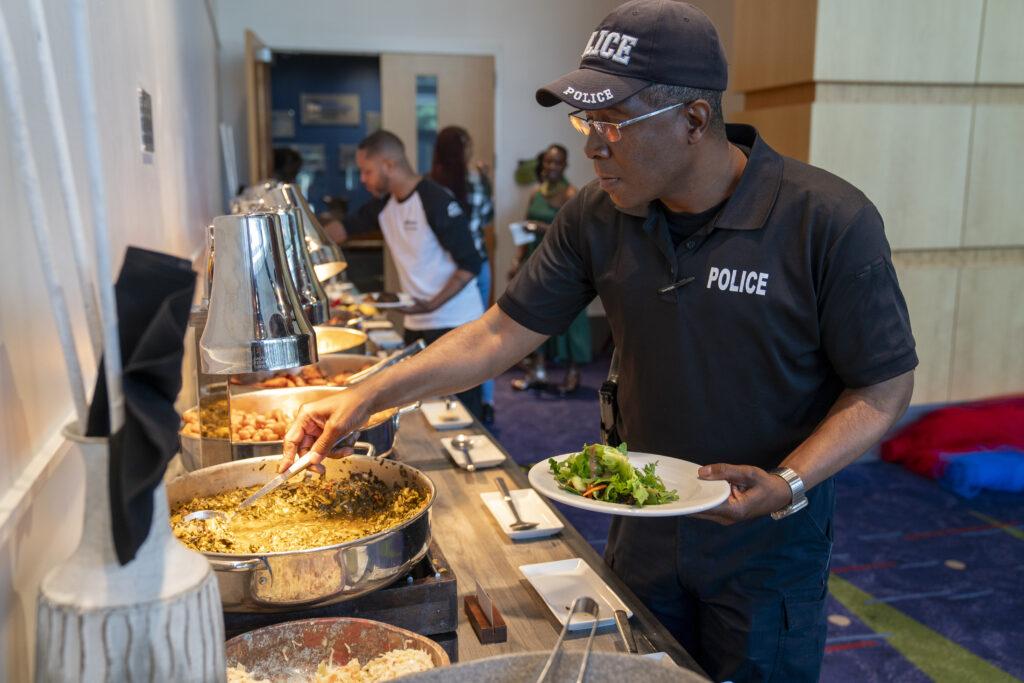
x=257 y=87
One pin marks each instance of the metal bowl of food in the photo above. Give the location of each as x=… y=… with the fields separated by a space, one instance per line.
x=259 y=420
x=331 y=340
x=398 y=522
x=299 y=649
x=333 y=371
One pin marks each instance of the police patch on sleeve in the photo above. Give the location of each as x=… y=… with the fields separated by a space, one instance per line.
x=454 y=209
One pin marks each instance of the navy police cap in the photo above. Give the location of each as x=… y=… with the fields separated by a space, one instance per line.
x=640 y=43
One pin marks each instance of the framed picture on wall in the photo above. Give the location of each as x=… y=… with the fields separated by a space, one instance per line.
x=282 y=123
x=327 y=109
x=313 y=157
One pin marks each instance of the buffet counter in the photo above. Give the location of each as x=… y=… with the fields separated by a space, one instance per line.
x=477 y=549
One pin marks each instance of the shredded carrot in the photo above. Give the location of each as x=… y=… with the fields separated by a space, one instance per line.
x=594 y=489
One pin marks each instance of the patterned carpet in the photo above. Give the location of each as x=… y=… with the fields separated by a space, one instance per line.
x=925 y=585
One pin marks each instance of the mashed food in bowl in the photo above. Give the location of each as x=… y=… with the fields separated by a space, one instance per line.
x=309 y=514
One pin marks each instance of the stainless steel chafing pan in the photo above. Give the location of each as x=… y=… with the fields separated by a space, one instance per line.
x=274 y=582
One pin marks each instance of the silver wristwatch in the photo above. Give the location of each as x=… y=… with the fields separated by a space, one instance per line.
x=796 y=487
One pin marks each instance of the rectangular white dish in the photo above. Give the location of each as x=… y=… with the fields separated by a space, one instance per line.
x=559 y=583
x=483 y=452
x=441 y=418
x=531 y=507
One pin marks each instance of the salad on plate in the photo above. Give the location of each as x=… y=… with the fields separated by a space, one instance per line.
x=604 y=473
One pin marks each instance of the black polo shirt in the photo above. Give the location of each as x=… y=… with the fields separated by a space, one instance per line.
x=793 y=298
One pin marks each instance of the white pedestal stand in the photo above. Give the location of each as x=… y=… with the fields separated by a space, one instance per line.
x=158 y=618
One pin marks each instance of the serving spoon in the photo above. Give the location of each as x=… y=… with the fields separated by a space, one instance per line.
x=464 y=443
x=298 y=466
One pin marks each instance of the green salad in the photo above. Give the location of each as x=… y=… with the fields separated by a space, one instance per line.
x=603 y=473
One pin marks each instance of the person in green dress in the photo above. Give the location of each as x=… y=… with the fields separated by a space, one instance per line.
x=574 y=346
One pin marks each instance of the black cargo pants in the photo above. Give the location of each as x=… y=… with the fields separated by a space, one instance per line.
x=747 y=601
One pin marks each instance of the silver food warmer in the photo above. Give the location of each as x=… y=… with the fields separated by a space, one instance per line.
x=281 y=581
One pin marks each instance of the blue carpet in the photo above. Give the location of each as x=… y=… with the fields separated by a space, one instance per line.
x=535 y=425
x=954 y=566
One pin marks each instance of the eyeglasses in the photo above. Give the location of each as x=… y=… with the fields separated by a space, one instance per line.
x=612 y=132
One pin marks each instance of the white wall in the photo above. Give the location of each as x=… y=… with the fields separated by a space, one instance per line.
x=169 y=48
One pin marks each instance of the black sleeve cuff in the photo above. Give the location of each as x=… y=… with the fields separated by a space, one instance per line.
x=905 y=362
x=469 y=262
x=522 y=315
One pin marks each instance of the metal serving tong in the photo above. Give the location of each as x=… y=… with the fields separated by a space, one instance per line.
x=581 y=605
x=397 y=356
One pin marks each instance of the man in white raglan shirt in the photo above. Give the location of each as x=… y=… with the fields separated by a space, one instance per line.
x=429 y=238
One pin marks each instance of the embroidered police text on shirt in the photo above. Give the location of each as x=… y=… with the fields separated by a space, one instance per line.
x=744 y=282
x=610 y=45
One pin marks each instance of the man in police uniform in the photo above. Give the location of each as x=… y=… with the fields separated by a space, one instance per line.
x=759 y=325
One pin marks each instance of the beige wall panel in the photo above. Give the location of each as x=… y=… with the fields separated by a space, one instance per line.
x=1002 y=50
x=786 y=129
x=772 y=43
x=465 y=97
x=987 y=358
x=995 y=202
x=917 y=93
x=931 y=298
x=893 y=154
x=908 y=41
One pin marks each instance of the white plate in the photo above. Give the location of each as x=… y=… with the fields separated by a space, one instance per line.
x=377 y=325
x=386 y=339
x=336 y=290
x=695 y=495
x=483 y=452
x=560 y=583
x=532 y=508
x=403 y=300
x=442 y=418
x=520 y=235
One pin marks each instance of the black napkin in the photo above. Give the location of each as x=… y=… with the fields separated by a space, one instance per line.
x=154 y=295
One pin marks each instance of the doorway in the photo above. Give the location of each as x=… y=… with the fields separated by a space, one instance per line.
x=322 y=104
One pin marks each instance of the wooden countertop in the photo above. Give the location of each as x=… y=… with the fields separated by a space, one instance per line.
x=476 y=548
